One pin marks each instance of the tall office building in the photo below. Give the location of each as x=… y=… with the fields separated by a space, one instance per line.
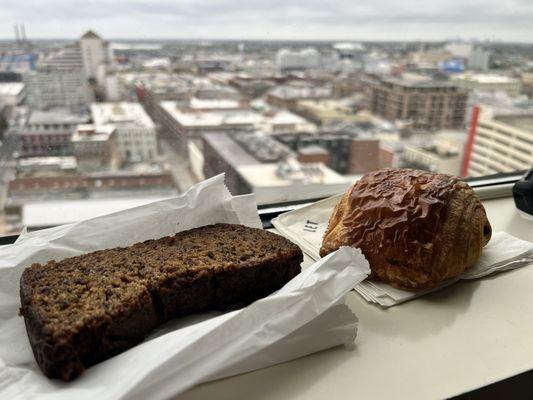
x=66 y=59
x=427 y=103
x=61 y=78
x=93 y=53
x=479 y=59
x=47 y=89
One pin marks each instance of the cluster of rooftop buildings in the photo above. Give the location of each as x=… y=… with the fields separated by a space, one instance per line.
x=100 y=123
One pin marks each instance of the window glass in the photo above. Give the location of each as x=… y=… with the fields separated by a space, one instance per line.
x=291 y=100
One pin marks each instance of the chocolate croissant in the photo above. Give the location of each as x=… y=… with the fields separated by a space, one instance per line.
x=415 y=228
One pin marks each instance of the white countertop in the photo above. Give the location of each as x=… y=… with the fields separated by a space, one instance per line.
x=458 y=339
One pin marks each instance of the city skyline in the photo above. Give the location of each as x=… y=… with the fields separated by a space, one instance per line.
x=383 y=20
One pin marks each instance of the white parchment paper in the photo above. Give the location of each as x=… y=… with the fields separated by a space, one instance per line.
x=305 y=316
x=306 y=227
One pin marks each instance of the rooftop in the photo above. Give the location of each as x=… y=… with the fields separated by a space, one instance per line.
x=328 y=110
x=11 y=88
x=287 y=174
x=409 y=79
x=244 y=117
x=92 y=133
x=283 y=117
x=211 y=118
x=281 y=182
x=520 y=121
x=121 y=114
x=196 y=103
x=57 y=116
x=67 y=162
x=486 y=78
x=262 y=147
x=300 y=92
x=229 y=149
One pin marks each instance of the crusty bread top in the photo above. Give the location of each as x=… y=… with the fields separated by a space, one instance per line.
x=73 y=292
x=416 y=228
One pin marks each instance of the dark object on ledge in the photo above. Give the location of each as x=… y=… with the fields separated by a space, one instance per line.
x=523 y=194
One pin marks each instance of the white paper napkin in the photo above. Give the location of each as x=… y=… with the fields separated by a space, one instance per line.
x=305 y=316
x=306 y=226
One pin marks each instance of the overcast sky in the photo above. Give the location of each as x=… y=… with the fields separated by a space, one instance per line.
x=508 y=20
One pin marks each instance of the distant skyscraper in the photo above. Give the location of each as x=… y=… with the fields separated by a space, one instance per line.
x=93 y=53
x=66 y=59
x=479 y=59
x=60 y=80
x=500 y=142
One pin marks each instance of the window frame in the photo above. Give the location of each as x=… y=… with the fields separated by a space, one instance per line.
x=487 y=187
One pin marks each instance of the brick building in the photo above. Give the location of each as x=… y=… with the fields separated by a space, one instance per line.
x=337 y=145
x=314 y=154
x=429 y=104
x=49 y=133
x=364 y=155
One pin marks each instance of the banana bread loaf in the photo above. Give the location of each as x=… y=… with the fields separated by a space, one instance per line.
x=84 y=309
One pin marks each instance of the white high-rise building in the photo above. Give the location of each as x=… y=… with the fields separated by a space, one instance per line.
x=65 y=59
x=49 y=88
x=502 y=143
x=304 y=59
x=479 y=59
x=135 y=130
x=93 y=53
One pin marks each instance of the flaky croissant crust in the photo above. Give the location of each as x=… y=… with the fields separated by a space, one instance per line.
x=416 y=228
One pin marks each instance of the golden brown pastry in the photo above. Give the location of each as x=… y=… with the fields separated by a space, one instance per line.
x=415 y=228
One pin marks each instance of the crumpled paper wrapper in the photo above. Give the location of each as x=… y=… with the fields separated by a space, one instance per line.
x=306 y=227
x=305 y=316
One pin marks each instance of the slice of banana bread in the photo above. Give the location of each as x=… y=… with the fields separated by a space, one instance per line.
x=85 y=309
